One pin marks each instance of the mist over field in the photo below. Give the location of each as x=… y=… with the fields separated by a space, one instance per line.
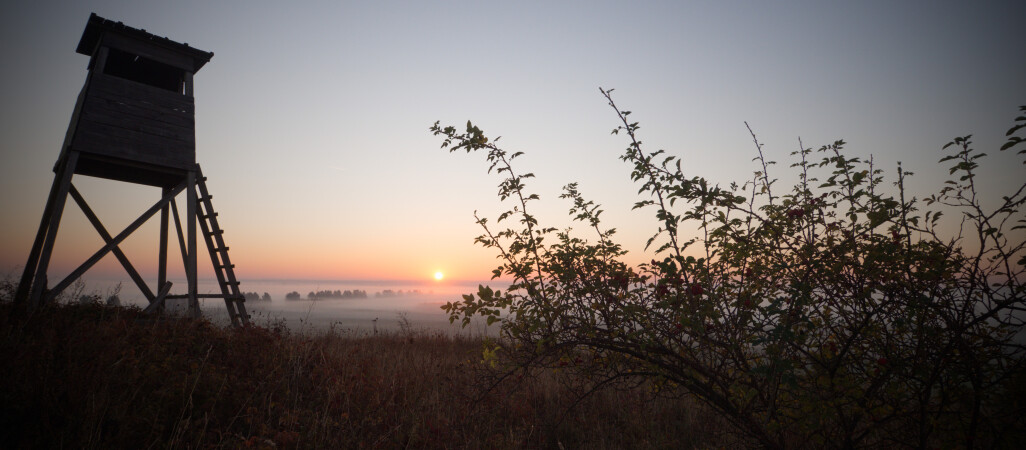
x=388 y=303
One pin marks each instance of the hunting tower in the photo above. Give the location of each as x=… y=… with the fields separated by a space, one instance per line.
x=134 y=122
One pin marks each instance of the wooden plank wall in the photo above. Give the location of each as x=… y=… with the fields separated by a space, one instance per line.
x=131 y=120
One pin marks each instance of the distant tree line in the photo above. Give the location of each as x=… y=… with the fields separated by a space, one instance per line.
x=254 y=297
x=399 y=293
x=347 y=294
x=328 y=294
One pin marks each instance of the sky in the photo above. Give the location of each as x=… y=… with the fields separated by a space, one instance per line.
x=312 y=117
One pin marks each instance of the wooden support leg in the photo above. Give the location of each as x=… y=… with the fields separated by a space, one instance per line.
x=190 y=219
x=29 y=273
x=64 y=174
x=181 y=238
x=162 y=245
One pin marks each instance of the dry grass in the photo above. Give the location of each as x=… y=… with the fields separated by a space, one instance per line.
x=86 y=376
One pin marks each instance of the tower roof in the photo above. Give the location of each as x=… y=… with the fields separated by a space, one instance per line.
x=98 y=26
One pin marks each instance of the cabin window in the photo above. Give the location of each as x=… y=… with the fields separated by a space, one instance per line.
x=144 y=70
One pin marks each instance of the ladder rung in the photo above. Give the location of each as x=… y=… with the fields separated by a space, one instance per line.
x=203 y=199
x=206 y=216
x=225 y=266
x=235 y=283
x=213 y=232
x=221 y=249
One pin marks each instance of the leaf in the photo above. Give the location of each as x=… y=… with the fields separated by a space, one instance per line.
x=1011 y=143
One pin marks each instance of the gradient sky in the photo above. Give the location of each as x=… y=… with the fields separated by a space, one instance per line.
x=312 y=121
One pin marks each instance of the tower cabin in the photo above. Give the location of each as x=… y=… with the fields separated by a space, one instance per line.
x=134 y=120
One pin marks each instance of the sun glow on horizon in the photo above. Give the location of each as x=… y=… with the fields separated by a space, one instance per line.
x=439 y=275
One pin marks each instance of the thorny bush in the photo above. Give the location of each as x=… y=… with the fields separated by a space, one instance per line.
x=833 y=314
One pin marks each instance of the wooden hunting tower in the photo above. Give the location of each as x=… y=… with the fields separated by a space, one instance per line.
x=134 y=122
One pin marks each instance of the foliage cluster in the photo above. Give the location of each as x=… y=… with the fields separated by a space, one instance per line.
x=91 y=376
x=832 y=313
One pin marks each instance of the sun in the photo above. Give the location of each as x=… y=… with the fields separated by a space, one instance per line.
x=439 y=275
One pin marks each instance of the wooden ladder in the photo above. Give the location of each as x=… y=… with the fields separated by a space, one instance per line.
x=223 y=267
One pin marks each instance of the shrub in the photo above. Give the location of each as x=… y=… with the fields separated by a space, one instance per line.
x=833 y=314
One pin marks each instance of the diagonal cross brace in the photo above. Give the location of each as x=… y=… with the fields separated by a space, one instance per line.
x=107 y=239
x=159 y=301
x=53 y=293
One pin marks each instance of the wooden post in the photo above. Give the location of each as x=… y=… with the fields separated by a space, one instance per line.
x=162 y=244
x=190 y=224
x=101 y=59
x=63 y=181
x=29 y=273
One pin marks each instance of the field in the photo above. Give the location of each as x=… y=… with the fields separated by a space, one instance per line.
x=89 y=376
